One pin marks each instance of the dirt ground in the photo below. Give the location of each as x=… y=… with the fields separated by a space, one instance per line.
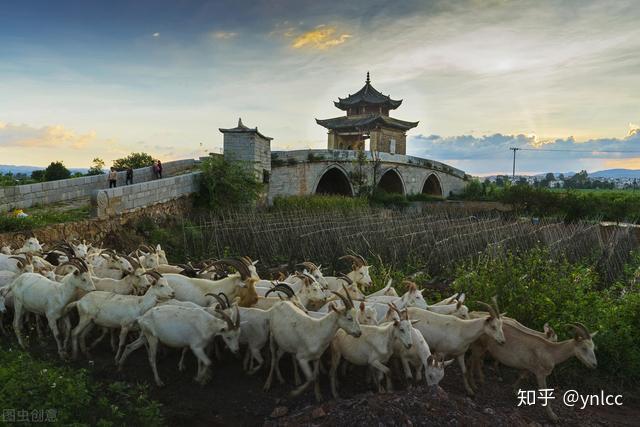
x=233 y=398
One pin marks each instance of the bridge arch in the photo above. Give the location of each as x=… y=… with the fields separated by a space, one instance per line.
x=432 y=186
x=391 y=182
x=334 y=180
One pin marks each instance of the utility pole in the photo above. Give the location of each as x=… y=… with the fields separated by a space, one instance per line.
x=513 y=176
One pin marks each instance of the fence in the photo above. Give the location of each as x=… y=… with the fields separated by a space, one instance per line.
x=430 y=241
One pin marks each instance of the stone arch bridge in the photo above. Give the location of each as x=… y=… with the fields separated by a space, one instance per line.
x=304 y=172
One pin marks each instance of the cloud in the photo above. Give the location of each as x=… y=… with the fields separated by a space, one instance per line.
x=55 y=136
x=156 y=34
x=322 y=37
x=633 y=130
x=224 y=35
x=491 y=154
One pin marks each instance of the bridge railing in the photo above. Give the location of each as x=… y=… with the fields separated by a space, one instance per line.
x=314 y=155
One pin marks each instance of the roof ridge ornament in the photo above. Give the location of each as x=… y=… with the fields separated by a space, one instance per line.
x=240 y=125
x=368 y=81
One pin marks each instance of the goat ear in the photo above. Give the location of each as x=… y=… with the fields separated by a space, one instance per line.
x=430 y=360
x=362 y=307
x=333 y=307
x=459 y=304
x=461 y=298
x=593 y=334
x=448 y=362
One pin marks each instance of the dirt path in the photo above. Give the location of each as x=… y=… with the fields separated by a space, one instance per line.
x=233 y=398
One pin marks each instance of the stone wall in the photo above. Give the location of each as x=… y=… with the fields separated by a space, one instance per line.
x=381 y=141
x=45 y=193
x=96 y=229
x=249 y=147
x=115 y=201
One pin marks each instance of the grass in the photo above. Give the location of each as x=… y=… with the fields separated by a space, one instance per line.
x=40 y=217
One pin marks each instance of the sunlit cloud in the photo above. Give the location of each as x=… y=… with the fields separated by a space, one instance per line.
x=322 y=37
x=224 y=35
x=633 y=129
x=44 y=137
x=156 y=34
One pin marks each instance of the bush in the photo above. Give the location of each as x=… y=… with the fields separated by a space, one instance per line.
x=56 y=171
x=134 y=161
x=534 y=289
x=422 y=197
x=68 y=396
x=97 y=168
x=227 y=184
x=382 y=198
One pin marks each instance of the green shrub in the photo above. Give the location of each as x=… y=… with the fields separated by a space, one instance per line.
x=56 y=171
x=226 y=184
x=68 y=396
x=382 y=198
x=422 y=197
x=534 y=289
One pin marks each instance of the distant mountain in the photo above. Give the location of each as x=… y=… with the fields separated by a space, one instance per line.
x=616 y=173
x=28 y=169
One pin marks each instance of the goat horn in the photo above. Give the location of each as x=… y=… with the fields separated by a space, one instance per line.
x=346 y=278
x=355 y=260
x=237 y=264
x=309 y=265
x=492 y=311
x=222 y=303
x=285 y=288
x=345 y=301
x=393 y=307
x=133 y=262
x=579 y=329
x=494 y=299
x=223 y=295
x=226 y=318
x=153 y=274
x=248 y=261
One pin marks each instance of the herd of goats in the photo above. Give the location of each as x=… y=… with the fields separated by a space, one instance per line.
x=305 y=314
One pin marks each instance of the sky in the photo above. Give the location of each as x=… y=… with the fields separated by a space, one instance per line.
x=86 y=79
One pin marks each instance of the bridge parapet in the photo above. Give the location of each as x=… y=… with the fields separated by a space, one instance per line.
x=285 y=158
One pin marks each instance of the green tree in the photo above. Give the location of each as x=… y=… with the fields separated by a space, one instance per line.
x=133 y=160
x=56 y=171
x=227 y=184
x=38 y=175
x=97 y=167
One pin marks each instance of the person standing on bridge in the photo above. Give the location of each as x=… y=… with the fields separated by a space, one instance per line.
x=129 y=179
x=113 y=177
x=159 y=169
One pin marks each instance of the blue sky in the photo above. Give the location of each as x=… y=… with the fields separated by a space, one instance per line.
x=80 y=79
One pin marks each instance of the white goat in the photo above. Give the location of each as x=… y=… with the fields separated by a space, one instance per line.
x=37 y=294
x=110 y=310
x=293 y=331
x=181 y=327
x=452 y=336
x=373 y=348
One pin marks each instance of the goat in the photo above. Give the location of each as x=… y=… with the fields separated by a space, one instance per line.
x=452 y=336
x=110 y=310
x=31 y=245
x=534 y=354
x=37 y=294
x=373 y=348
x=359 y=274
x=196 y=290
x=388 y=290
x=180 y=327
x=293 y=331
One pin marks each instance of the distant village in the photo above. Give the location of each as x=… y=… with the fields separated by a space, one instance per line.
x=580 y=180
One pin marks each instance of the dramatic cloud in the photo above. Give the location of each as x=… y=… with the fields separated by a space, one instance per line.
x=491 y=154
x=322 y=37
x=44 y=137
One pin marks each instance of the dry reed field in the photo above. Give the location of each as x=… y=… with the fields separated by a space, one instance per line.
x=429 y=240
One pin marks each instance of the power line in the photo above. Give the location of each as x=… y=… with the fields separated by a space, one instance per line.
x=577 y=151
